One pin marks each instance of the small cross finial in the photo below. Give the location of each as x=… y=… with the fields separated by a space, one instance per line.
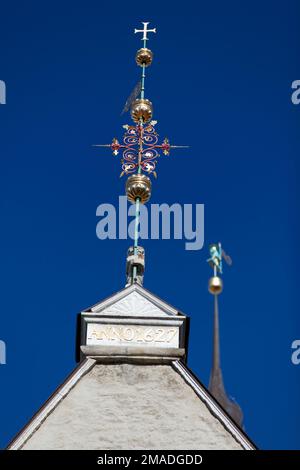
x=145 y=31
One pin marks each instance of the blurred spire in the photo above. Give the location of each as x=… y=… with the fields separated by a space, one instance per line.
x=216 y=383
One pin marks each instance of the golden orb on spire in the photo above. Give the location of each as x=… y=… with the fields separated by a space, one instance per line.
x=144 y=57
x=141 y=109
x=138 y=186
x=215 y=285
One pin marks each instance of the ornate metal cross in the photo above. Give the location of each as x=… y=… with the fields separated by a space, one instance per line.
x=145 y=31
x=141 y=147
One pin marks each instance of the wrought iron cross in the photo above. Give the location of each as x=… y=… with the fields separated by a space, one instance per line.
x=140 y=149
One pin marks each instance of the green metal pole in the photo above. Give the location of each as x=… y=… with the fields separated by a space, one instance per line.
x=137 y=213
x=137 y=220
x=136 y=234
x=143 y=76
x=143 y=82
x=139 y=171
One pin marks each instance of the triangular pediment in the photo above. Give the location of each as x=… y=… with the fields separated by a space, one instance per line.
x=133 y=301
x=130 y=400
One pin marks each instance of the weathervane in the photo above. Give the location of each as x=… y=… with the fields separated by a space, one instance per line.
x=215 y=287
x=140 y=147
x=217 y=254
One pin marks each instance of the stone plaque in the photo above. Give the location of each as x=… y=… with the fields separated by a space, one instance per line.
x=131 y=334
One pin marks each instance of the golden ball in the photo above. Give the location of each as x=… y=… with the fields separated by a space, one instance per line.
x=138 y=186
x=215 y=285
x=141 y=109
x=144 y=57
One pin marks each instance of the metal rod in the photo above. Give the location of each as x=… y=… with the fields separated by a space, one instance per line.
x=143 y=76
x=216 y=345
x=101 y=145
x=143 y=82
x=136 y=234
x=137 y=201
x=139 y=171
x=136 y=225
x=140 y=156
x=179 y=146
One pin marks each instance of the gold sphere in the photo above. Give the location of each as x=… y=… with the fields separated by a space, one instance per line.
x=144 y=57
x=138 y=186
x=215 y=285
x=141 y=109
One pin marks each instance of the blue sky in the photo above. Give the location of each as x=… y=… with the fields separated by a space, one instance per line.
x=221 y=83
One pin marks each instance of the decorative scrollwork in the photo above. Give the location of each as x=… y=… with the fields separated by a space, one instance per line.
x=150 y=129
x=130 y=154
x=132 y=130
x=140 y=148
x=150 y=154
x=150 y=136
x=150 y=139
x=139 y=142
x=148 y=166
x=128 y=168
x=130 y=140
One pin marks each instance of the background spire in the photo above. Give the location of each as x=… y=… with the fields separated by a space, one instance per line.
x=216 y=383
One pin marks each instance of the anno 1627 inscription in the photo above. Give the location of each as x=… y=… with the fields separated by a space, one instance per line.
x=111 y=334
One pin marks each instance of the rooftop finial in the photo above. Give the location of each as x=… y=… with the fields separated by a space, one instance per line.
x=215 y=287
x=145 y=30
x=140 y=150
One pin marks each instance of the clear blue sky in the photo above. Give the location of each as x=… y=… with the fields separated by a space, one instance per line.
x=220 y=82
